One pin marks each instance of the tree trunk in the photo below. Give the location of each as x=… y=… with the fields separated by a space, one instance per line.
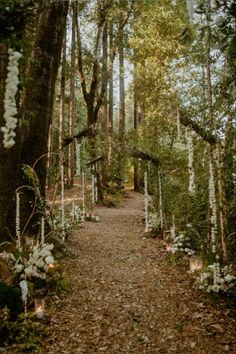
x=72 y=100
x=40 y=86
x=110 y=117
x=121 y=88
x=62 y=96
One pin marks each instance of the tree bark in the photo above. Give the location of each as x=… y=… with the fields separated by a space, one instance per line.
x=110 y=119
x=121 y=87
x=40 y=86
x=72 y=99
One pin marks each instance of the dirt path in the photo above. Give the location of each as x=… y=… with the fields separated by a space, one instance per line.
x=126 y=298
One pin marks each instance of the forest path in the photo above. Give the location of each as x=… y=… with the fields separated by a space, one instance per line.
x=127 y=298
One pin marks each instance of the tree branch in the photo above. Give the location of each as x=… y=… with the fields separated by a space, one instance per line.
x=139 y=154
x=92 y=162
x=84 y=133
x=205 y=134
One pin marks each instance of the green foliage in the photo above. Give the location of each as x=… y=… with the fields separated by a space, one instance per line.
x=10 y=297
x=60 y=284
x=13 y=19
x=25 y=334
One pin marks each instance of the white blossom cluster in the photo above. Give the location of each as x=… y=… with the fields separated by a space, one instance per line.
x=216 y=278
x=212 y=203
x=56 y=224
x=10 y=109
x=191 y=186
x=154 y=221
x=181 y=244
x=146 y=199
x=77 y=214
x=35 y=263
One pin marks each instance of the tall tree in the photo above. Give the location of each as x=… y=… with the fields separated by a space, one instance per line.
x=37 y=105
x=121 y=85
x=40 y=86
x=72 y=98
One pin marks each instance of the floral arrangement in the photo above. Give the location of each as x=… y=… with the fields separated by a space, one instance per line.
x=10 y=108
x=216 y=278
x=59 y=227
x=154 y=221
x=77 y=214
x=181 y=243
x=35 y=263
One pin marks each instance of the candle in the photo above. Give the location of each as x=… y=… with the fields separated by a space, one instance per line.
x=168 y=247
x=195 y=264
x=39 y=308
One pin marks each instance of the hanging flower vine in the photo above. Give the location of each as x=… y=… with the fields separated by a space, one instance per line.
x=191 y=186
x=10 y=109
x=213 y=208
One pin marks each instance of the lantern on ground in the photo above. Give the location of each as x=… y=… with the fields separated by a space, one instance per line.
x=39 y=305
x=195 y=264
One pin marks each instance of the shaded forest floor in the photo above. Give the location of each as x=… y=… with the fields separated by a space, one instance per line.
x=127 y=297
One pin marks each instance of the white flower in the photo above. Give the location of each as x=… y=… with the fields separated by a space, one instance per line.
x=49 y=259
x=18 y=268
x=24 y=290
x=9 y=100
x=215 y=288
x=229 y=278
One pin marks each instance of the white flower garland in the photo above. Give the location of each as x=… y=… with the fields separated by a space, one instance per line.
x=18 y=235
x=178 y=124
x=10 y=108
x=93 y=189
x=78 y=164
x=42 y=230
x=160 y=200
x=83 y=195
x=213 y=208
x=173 y=228
x=191 y=186
x=62 y=204
x=146 y=199
x=234 y=172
